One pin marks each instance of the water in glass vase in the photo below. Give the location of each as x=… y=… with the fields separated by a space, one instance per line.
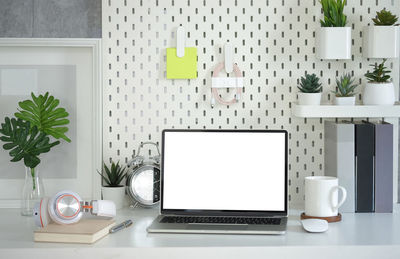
x=32 y=192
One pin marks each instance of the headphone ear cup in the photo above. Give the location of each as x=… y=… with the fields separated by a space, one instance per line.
x=41 y=213
x=56 y=215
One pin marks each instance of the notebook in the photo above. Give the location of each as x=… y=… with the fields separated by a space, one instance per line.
x=87 y=231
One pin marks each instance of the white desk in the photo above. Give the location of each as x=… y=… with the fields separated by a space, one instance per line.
x=357 y=236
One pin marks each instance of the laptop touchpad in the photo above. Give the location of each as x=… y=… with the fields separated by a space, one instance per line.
x=215 y=227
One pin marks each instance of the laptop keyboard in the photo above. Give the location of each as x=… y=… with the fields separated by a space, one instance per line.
x=221 y=220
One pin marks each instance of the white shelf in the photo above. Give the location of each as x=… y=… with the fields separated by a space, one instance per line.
x=335 y=111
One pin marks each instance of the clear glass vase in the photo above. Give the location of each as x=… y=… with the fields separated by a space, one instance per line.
x=32 y=192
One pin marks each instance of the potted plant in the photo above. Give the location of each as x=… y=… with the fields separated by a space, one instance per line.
x=114 y=190
x=310 y=90
x=28 y=136
x=344 y=94
x=379 y=90
x=333 y=39
x=382 y=39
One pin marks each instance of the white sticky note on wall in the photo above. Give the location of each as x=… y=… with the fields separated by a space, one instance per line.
x=18 y=81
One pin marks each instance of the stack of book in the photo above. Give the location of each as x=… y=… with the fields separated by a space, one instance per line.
x=360 y=154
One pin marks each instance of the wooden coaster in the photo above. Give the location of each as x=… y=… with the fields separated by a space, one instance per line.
x=329 y=219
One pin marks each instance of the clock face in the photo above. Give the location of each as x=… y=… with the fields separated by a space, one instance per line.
x=145 y=184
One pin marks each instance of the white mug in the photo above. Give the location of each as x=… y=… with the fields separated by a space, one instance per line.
x=321 y=196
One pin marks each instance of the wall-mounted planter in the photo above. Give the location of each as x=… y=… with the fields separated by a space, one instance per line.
x=333 y=43
x=381 y=41
x=379 y=94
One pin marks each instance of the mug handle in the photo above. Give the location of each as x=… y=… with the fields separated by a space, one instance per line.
x=344 y=195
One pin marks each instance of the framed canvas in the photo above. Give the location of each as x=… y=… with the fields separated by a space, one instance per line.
x=70 y=70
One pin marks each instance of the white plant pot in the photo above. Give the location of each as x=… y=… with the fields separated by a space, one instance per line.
x=115 y=194
x=381 y=41
x=379 y=94
x=345 y=101
x=309 y=98
x=333 y=43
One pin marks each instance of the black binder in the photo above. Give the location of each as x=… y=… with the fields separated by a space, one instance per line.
x=364 y=152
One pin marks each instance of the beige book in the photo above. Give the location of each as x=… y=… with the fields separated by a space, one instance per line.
x=86 y=231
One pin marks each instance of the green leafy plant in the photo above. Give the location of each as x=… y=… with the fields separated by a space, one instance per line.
x=384 y=18
x=27 y=136
x=333 y=13
x=24 y=141
x=43 y=113
x=345 y=86
x=310 y=84
x=114 y=175
x=380 y=74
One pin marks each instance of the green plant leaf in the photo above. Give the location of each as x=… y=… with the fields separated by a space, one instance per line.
x=333 y=13
x=384 y=18
x=114 y=175
x=24 y=142
x=380 y=74
x=345 y=86
x=43 y=113
x=310 y=84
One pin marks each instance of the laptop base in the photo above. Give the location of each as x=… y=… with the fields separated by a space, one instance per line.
x=157 y=227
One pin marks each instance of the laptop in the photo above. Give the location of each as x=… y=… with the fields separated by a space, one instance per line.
x=223 y=181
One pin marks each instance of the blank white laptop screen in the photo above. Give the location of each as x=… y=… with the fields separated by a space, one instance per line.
x=239 y=171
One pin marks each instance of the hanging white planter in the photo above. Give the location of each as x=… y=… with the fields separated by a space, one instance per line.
x=345 y=101
x=333 y=43
x=379 y=94
x=309 y=98
x=381 y=41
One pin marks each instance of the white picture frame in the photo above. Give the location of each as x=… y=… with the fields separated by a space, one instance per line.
x=89 y=131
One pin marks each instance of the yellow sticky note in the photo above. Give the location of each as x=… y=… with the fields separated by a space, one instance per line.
x=184 y=67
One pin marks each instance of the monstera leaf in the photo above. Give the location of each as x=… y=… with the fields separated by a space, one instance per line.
x=43 y=113
x=24 y=141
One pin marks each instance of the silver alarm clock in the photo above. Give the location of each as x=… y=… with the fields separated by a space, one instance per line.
x=143 y=178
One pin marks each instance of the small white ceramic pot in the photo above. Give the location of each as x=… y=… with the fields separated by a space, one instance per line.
x=115 y=194
x=309 y=98
x=345 y=101
x=381 y=41
x=333 y=43
x=379 y=94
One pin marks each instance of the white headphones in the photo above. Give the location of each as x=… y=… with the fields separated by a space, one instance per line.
x=66 y=207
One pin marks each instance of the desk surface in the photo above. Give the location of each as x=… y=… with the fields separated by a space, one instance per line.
x=355 y=230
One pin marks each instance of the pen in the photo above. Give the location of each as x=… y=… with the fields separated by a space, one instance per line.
x=123 y=225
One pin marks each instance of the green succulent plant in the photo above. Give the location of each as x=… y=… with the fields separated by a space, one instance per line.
x=345 y=86
x=310 y=84
x=114 y=175
x=43 y=113
x=333 y=13
x=385 y=18
x=380 y=74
